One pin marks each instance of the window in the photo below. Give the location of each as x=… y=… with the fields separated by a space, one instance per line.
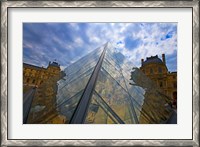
x=175 y=85
x=33 y=81
x=159 y=69
x=151 y=70
x=175 y=95
x=27 y=73
x=161 y=84
x=27 y=80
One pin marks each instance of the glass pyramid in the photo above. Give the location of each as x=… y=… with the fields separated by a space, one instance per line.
x=103 y=88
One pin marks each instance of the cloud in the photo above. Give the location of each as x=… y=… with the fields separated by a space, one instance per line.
x=131 y=43
x=68 y=42
x=147 y=41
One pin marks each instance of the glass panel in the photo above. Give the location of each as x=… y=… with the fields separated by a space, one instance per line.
x=143 y=93
x=74 y=86
x=78 y=68
x=98 y=114
x=52 y=102
x=122 y=94
x=154 y=102
x=67 y=107
x=116 y=74
x=60 y=114
x=83 y=62
x=44 y=102
x=116 y=97
x=140 y=89
x=119 y=62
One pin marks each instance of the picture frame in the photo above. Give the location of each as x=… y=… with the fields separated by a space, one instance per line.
x=5 y=81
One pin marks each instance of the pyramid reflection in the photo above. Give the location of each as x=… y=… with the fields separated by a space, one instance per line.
x=103 y=88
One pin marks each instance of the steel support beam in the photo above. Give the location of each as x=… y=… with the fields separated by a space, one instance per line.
x=81 y=110
x=28 y=98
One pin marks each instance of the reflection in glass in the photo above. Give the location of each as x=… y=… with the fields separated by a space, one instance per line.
x=121 y=93
x=98 y=114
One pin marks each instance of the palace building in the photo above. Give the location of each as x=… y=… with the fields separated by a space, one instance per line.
x=35 y=75
x=95 y=89
x=36 y=80
x=156 y=69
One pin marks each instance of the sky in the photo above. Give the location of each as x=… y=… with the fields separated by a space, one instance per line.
x=68 y=42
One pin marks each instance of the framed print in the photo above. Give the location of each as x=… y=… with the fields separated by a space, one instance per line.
x=107 y=73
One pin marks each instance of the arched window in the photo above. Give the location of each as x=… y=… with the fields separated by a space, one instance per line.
x=27 y=80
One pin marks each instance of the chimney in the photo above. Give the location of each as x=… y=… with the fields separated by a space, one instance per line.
x=142 y=60
x=163 y=58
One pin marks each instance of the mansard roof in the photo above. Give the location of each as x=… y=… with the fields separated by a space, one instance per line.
x=54 y=64
x=32 y=66
x=152 y=59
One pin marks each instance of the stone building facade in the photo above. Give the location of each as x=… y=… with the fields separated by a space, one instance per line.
x=35 y=75
x=44 y=100
x=156 y=69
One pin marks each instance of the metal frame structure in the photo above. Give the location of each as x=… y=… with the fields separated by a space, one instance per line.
x=81 y=110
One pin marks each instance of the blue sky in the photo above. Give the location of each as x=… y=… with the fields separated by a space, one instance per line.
x=67 y=42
